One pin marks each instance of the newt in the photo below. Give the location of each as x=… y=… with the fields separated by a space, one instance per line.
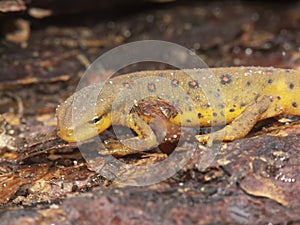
x=241 y=97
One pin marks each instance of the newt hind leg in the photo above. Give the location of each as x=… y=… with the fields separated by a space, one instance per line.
x=241 y=126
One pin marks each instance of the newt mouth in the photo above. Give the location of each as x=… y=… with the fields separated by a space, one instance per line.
x=81 y=133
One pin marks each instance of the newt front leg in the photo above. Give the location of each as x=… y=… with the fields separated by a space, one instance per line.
x=144 y=140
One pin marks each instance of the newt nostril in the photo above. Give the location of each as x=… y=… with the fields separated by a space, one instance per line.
x=70 y=132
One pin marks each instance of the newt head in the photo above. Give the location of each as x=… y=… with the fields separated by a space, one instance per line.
x=80 y=117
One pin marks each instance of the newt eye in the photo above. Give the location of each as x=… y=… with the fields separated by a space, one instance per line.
x=95 y=120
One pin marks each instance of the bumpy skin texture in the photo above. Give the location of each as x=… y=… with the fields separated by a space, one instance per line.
x=237 y=96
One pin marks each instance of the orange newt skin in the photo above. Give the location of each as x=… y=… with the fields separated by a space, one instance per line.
x=236 y=96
